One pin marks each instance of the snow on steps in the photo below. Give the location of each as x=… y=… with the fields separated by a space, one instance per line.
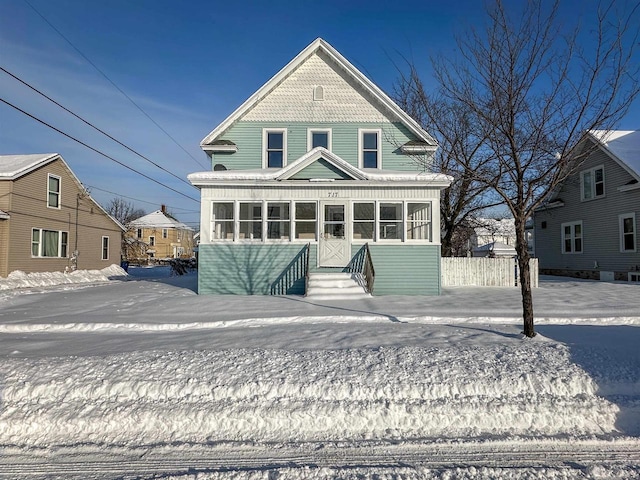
x=336 y=286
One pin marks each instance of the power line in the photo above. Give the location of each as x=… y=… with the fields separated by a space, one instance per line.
x=96 y=150
x=140 y=200
x=114 y=85
x=92 y=125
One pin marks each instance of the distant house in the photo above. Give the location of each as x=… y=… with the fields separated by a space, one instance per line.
x=48 y=221
x=161 y=235
x=492 y=237
x=311 y=172
x=589 y=227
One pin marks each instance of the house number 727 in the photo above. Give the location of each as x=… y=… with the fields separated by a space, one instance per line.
x=332 y=194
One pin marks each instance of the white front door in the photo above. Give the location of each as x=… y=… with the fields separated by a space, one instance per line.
x=334 y=249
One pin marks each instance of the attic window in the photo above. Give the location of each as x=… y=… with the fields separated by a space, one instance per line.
x=318 y=93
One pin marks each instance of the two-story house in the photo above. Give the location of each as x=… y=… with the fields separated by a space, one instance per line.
x=162 y=234
x=589 y=227
x=48 y=220
x=318 y=170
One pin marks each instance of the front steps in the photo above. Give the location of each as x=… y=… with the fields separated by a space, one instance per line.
x=336 y=286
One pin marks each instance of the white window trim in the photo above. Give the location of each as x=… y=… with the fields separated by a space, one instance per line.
x=59 y=192
x=139 y=233
x=265 y=157
x=165 y=233
x=573 y=237
x=294 y=222
x=361 y=132
x=403 y=222
x=311 y=131
x=593 y=183
x=152 y=244
x=621 y=219
x=406 y=222
x=102 y=245
x=41 y=243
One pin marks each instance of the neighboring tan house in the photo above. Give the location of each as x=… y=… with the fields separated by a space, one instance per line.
x=314 y=170
x=48 y=221
x=164 y=236
x=589 y=227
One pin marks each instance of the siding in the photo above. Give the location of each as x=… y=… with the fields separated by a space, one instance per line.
x=246 y=269
x=405 y=269
x=601 y=233
x=29 y=210
x=248 y=137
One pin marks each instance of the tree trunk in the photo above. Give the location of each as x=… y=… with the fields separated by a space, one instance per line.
x=525 y=279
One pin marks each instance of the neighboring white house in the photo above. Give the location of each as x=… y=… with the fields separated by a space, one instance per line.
x=492 y=237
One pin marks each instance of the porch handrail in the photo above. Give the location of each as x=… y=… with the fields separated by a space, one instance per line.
x=306 y=267
x=367 y=269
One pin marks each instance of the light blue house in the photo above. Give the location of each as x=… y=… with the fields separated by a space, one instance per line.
x=319 y=171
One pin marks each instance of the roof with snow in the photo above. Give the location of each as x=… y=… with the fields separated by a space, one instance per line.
x=319 y=46
x=158 y=219
x=492 y=226
x=343 y=169
x=15 y=166
x=623 y=146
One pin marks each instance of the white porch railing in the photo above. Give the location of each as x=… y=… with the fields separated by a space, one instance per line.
x=484 y=272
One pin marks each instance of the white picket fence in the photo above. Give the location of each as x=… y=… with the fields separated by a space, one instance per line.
x=484 y=272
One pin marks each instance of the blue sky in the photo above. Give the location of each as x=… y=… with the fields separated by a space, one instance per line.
x=188 y=65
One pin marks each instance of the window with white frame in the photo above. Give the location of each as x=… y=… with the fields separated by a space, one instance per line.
x=390 y=221
x=364 y=220
x=627 y=232
x=152 y=241
x=139 y=233
x=419 y=221
x=222 y=221
x=49 y=243
x=592 y=183
x=305 y=223
x=572 y=237
x=165 y=233
x=105 y=248
x=318 y=137
x=274 y=143
x=278 y=221
x=250 y=221
x=370 y=152
x=53 y=191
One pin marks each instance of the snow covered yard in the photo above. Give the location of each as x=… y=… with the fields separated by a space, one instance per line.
x=144 y=379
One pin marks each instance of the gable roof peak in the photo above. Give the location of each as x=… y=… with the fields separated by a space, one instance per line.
x=374 y=93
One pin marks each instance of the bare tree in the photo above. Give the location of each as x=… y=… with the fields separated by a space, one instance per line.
x=462 y=153
x=123 y=211
x=535 y=92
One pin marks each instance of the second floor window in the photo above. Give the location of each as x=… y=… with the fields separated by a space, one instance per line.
x=370 y=155
x=165 y=232
x=139 y=233
x=319 y=138
x=152 y=241
x=592 y=183
x=275 y=148
x=53 y=196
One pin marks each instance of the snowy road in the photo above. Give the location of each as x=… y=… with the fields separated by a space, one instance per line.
x=553 y=459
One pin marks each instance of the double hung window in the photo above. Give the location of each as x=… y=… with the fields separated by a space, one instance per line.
x=305 y=220
x=592 y=183
x=627 y=232
x=53 y=191
x=222 y=221
x=250 y=220
x=278 y=224
x=390 y=221
x=370 y=152
x=364 y=220
x=105 y=248
x=49 y=243
x=419 y=221
x=274 y=148
x=572 y=237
